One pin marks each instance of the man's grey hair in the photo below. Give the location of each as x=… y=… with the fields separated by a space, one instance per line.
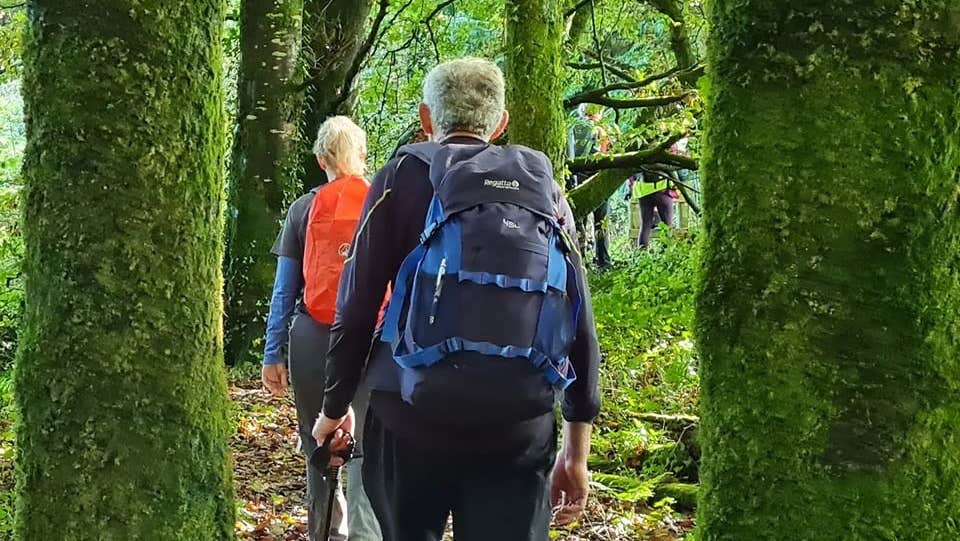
x=465 y=95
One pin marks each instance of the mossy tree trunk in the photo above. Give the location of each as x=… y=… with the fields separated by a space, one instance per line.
x=264 y=164
x=577 y=24
x=828 y=310
x=601 y=236
x=333 y=35
x=534 y=73
x=120 y=381
x=679 y=37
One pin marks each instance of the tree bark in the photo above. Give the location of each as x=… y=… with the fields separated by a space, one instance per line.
x=631 y=160
x=578 y=20
x=534 y=73
x=624 y=103
x=264 y=165
x=829 y=303
x=601 y=236
x=120 y=381
x=679 y=38
x=333 y=33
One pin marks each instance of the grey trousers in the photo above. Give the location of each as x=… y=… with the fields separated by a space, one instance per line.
x=353 y=518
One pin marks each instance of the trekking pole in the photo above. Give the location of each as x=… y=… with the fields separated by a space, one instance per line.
x=320 y=459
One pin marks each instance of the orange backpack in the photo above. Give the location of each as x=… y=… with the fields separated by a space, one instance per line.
x=331 y=225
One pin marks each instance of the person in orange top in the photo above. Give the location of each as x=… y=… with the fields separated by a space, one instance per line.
x=311 y=250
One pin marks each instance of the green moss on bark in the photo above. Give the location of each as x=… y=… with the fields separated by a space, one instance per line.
x=679 y=37
x=590 y=195
x=333 y=33
x=120 y=380
x=263 y=167
x=828 y=310
x=534 y=73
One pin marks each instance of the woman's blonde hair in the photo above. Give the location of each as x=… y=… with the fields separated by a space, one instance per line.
x=342 y=145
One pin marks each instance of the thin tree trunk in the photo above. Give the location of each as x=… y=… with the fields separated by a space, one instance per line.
x=679 y=37
x=120 y=380
x=264 y=165
x=534 y=72
x=601 y=236
x=827 y=316
x=332 y=37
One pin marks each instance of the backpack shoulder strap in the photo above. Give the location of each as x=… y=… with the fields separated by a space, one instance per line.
x=422 y=151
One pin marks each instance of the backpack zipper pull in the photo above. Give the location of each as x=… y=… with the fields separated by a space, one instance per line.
x=437 y=289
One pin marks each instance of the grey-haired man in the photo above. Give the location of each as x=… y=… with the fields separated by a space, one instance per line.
x=500 y=478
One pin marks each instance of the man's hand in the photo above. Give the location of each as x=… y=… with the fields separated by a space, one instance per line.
x=274 y=377
x=570 y=482
x=570 y=486
x=340 y=428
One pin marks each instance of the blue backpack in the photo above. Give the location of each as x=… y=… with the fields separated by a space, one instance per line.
x=486 y=306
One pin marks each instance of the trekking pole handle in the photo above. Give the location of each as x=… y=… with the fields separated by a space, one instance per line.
x=321 y=457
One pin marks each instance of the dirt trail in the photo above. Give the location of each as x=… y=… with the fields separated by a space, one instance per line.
x=269 y=479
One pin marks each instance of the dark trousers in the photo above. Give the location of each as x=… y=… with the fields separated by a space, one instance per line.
x=308 y=350
x=414 y=492
x=663 y=204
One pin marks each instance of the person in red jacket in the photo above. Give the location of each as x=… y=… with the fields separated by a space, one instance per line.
x=311 y=250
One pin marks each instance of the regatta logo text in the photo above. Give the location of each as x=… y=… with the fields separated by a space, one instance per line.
x=501 y=184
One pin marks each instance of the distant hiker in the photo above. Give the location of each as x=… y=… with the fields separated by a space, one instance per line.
x=311 y=249
x=585 y=137
x=656 y=198
x=655 y=188
x=490 y=321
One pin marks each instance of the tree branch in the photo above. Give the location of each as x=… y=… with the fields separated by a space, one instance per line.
x=679 y=39
x=596 y=65
x=630 y=85
x=618 y=63
x=436 y=10
x=583 y=66
x=389 y=24
x=579 y=5
x=362 y=52
x=423 y=22
x=613 y=169
x=596 y=43
x=636 y=103
x=590 y=195
x=633 y=160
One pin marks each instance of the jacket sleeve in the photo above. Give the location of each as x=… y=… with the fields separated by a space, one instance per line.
x=287 y=287
x=372 y=264
x=581 y=400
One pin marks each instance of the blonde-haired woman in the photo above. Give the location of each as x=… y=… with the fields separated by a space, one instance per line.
x=311 y=250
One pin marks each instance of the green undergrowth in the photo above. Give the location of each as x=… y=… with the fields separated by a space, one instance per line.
x=7 y=412
x=646 y=434
x=11 y=285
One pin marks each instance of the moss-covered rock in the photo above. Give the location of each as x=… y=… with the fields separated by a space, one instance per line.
x=828 y=310
x=120 y=382
x=684 y=495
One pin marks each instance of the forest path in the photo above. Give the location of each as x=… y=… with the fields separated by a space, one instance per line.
x=269 y=480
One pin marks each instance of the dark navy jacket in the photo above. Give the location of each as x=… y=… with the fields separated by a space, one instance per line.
x=393 y=219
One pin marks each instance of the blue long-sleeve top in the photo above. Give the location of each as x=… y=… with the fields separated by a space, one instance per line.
x=287 y=288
